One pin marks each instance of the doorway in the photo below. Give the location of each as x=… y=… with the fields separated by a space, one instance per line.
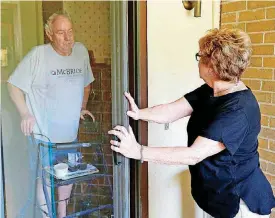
x=102 y=28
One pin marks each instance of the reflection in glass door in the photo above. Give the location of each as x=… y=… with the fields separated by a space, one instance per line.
x=104 y=192
x=17 y=173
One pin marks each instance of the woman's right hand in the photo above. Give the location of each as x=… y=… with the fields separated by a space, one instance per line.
x=27 y=124
x=134 y=110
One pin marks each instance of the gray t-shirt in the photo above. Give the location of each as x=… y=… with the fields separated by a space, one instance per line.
x=54 y=89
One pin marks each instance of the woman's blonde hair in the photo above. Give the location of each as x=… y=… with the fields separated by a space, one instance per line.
x=51 y=19
x=226 y=51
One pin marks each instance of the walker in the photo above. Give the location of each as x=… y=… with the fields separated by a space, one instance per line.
x=92 y=189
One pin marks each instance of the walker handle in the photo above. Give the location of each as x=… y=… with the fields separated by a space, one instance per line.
x=66 y=146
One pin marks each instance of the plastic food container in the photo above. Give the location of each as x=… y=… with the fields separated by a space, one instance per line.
x=61 y=170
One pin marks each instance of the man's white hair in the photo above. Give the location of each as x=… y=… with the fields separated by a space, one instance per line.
x=51 y=19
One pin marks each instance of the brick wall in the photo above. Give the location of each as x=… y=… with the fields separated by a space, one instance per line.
x=100 y=154
x=257 y=18
x=100 y=104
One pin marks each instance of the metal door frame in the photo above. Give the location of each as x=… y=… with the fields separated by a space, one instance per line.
x=120 y=75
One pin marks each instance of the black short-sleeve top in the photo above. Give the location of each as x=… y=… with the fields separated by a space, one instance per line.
x=219 y=181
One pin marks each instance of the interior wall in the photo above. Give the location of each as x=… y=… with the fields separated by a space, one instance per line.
x=92 y=26
x=31 y=25
x=173 y=34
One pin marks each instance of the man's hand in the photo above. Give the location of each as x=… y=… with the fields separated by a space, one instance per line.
x=134 y=110
x=27 y=124
x=86 y=112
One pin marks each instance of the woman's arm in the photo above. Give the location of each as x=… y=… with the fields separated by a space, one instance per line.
x=201 y=149
x=128 y=146
x=164 y=113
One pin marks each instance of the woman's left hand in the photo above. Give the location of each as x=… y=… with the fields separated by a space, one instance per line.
x=128 y=145
x=86 y=112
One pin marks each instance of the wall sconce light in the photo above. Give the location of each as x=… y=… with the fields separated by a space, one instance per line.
x=189 y=5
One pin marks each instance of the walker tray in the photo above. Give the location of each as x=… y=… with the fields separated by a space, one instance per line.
x=91 y=169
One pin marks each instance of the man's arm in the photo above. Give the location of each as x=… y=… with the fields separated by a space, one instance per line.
x=87 y=90
x=18 y=99
x=84 y=111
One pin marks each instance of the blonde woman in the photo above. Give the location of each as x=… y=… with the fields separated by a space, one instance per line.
x=226 y=178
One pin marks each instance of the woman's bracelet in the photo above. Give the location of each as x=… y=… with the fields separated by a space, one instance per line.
x=141 y=154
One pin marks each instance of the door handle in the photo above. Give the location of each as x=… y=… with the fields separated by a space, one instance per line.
x=117 y=158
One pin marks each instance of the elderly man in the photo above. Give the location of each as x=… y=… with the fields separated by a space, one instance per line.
x=50 y=88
